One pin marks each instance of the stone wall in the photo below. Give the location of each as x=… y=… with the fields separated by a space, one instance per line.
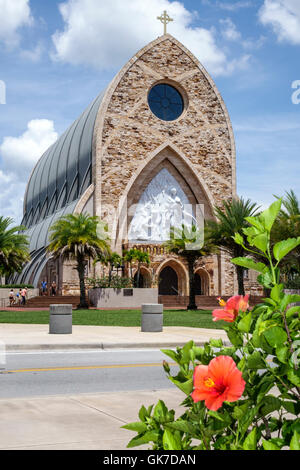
x=130 y=142
x=4 y=295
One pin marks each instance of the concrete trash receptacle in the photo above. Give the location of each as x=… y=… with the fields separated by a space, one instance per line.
x=152 y=318
x=60 y=320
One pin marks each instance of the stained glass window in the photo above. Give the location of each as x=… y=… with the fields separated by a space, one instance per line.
x=165 y=102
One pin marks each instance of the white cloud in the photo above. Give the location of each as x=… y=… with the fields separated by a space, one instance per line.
x=34 y=54
x=11 y=196
x=19 y=154
x=284 y=17
x=234 y=6
x=229 y=30
x=14 y=15
x=106 y=34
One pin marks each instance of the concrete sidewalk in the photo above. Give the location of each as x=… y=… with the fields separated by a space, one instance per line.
x=17 y=337
x=77 y=422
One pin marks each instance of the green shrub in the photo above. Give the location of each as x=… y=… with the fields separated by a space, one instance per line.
x=16 y=286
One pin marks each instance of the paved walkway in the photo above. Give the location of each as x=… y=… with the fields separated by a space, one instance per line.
x=32 y=337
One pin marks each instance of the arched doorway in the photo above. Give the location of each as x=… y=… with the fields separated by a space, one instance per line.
x=168 y=282
x=198 y=284
x=202 y=282
x=144 y=279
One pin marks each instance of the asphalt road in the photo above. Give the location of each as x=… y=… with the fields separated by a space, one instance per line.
x=73 y=372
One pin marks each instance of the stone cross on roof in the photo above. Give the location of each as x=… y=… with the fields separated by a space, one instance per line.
x=165 y=19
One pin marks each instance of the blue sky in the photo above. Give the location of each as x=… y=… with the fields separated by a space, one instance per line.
x=55 y=58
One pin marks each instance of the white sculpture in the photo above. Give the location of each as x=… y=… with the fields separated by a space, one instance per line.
x=162 y=205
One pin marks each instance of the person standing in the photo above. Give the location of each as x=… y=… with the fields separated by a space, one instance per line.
x=53 y=288
x=11 y=298
x=23 y=295
x=20 y=297
x=44 y=287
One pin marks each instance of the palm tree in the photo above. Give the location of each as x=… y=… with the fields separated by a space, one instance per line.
x=142 y=258
x=129 y=257
x=14 y=247
x=187 y=243
x=114 y=260
x=132 y=255
x=79 y=237
x=231 y=220
x=287 y=225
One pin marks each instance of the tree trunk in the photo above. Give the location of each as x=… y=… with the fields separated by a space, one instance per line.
x=192 y=299
x=240 y=277
x=138 y=275
x=81 y=268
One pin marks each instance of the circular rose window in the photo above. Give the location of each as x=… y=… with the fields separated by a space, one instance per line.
x=165 y=102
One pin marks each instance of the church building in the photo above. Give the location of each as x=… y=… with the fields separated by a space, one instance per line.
x=158 y=137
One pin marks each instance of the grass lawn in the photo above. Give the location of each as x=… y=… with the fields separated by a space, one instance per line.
x=193 y=319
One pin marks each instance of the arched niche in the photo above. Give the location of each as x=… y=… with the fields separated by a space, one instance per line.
x=180 y=170
x=204 y=281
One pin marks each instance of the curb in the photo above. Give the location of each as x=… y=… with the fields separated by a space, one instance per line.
x=101 y=346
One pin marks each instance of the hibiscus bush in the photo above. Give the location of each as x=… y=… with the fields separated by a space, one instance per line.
x=242 y=394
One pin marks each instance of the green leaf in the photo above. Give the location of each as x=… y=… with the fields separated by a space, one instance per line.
x=268 y=217
x=282 y=353
x=289 y=299
x=137 y=427
x=277 y=293
x=255 y=361
x=270 y=404
x=247 y=419
x=295 y=442
x=172 y=354
x=294 y=376
x=216 y=343
x=244 y=324
x=239 y=240
x=256 y=223
x=291 y=311
x=160 y=412
x=291 y=407
x=248 y=263
x=275 y=336
x=261 y=242
x=240 y=410
x=216 y=415
x=250 y=441
x=150 y=436
x=281 y=249
x=185 y=352
x=143 y=413
x=182 y=426
x=267 y=445
x=171 y=441
x=266 y=280
x=235 y=338
x=186 y=387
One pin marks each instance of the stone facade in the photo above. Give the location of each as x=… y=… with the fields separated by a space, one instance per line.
x=131 y=145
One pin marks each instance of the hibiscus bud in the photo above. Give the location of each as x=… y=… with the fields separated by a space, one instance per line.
x=166 y=367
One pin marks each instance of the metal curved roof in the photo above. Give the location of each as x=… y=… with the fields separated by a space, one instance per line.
x=39 y=239
x=64 y=171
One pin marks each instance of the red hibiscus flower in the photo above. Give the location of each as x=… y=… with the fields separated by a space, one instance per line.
x=220 y=381
x=231 y=308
